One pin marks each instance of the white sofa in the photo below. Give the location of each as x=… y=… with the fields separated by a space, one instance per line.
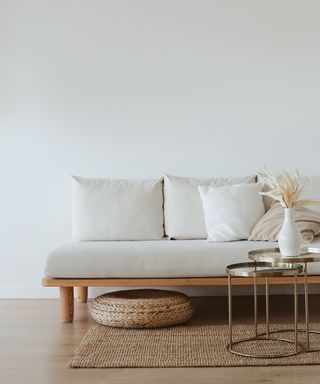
x=168 y=250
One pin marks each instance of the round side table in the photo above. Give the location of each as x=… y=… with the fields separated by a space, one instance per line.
x=308 y=255
x=266 y=270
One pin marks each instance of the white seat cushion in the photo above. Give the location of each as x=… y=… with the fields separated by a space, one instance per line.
x=159 y=258
x=183 y=213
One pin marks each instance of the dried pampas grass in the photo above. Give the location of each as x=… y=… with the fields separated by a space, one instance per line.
x=285 y=188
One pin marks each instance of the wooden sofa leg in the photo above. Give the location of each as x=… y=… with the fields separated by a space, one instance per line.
x=82 y=294
x=66 y=304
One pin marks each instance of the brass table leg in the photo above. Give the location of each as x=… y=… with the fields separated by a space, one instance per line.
x=267 y=308
x=295 y=313
x=255 y=305
x=230 y=310
x=306 y=303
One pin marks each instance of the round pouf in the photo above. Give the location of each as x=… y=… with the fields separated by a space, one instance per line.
x=141 y=308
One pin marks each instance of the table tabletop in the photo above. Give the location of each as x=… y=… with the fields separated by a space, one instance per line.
x=263 y=269
x=273 y=255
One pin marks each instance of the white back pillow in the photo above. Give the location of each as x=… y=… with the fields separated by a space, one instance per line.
x=231 y=212
x=311 y=191
x=106 y=209
x=183 y=213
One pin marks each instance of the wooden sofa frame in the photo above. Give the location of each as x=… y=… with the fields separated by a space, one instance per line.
x=67 y=286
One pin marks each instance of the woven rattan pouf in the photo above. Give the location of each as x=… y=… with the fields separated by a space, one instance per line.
x=141 y=308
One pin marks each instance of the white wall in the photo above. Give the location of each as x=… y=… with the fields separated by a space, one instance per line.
x=136 y=88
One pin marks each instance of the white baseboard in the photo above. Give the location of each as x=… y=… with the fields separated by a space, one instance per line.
x=53 y=293
x=28 y=293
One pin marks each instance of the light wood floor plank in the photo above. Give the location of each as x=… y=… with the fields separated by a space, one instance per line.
x=35 y=347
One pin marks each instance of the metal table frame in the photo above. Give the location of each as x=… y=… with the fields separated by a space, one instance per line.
x=308 y=255
x=267 y=269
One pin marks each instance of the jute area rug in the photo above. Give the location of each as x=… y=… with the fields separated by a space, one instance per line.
x=192 y=345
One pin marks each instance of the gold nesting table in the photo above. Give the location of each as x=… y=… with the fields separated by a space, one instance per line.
x=264 y=269
x=308 y=255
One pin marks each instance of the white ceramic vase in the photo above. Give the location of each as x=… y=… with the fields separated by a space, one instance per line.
x=289 y=239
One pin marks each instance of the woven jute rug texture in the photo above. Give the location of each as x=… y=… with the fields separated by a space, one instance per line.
x=191 y=345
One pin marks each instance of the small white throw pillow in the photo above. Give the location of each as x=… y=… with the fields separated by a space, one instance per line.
x=107 y=209
x=231 y=212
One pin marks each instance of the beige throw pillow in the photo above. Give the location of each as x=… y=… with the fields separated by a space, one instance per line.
x=268 y=227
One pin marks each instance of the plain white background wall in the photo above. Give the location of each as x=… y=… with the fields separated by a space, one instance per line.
x=134 y=89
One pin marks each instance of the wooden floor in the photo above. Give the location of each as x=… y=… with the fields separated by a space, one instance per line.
x=35 y=347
